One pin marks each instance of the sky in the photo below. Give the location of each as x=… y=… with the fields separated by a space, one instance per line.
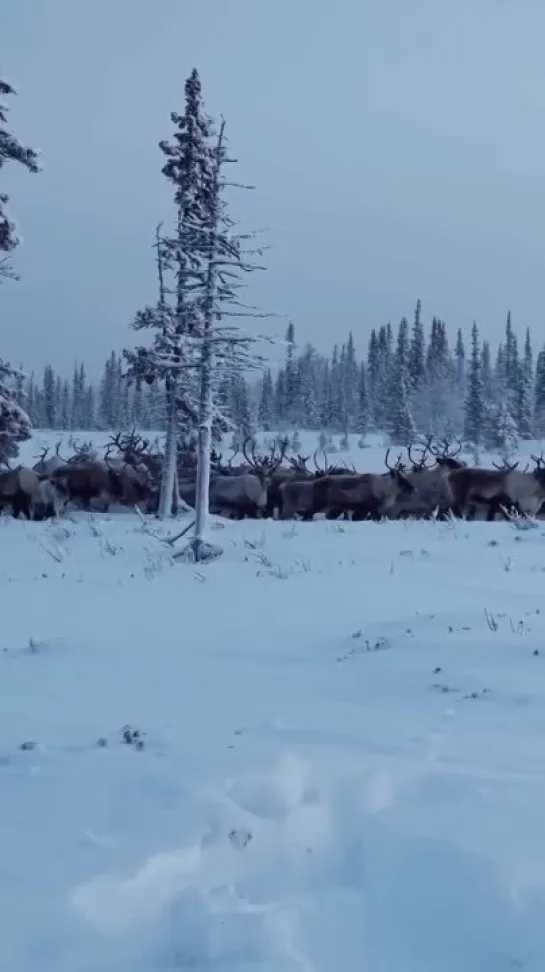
x=397 y=149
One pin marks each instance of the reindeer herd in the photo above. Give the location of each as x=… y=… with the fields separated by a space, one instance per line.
x=432 y=482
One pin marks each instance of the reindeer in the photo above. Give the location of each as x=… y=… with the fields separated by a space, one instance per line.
x=131 y=482
x=499 y=490
x=331 y=470
x=18 y=489
x=296 y=471
x=297 y=499
x=84 y=482
x=298 y=493
x=246 y=494
x=83 y=452
x=430 y=497
x=447 y=458
x=365 y=495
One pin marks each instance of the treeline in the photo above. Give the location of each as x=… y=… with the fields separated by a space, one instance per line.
x=412 y=380
x=54 y=401
x=409 y=381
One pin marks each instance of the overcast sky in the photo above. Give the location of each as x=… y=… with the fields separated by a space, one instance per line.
x=397 y=147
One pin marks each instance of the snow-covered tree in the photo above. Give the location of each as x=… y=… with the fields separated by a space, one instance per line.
x=473 y=419
x=11 y=150
x=266 y=410
x=539 y=396
x=505 y=438
x=362 y=418
x=401 y=424
x=308 y=386
x=50 y=401
x=417 y=360
x=221 y=346
x=15 y=426
x=240 y=406
x=460 y=361
x=175 y=324
x=524 y=388
x=290 y=376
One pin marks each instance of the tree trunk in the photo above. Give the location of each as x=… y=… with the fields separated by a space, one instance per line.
x=199 y=548
x=202 y=495
x=168 y=473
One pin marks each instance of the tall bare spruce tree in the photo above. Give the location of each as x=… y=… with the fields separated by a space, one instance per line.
x=194 y=349
x=223 y=349
x=174 y=320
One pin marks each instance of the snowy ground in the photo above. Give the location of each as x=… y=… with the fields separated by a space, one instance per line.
x=342 y=759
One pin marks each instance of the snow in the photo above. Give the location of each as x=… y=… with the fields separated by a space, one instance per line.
x=342 y=759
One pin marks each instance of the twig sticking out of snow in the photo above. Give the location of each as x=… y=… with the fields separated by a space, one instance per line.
x=157 y=536
x=519 y=521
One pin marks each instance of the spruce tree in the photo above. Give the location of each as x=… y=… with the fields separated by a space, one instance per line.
x=290 y=376
x=308 y=391
x=175 y=324
x=383 y=389
x=362 y=417
x=15 y=426
x=417 y=362
x=49 y=398
x=265 y=414
x=539 y=396
x=401 y=422
x=373 y=374
x=221 y=347
x=280 y=398
x=11 y=150
x=523 y=415
x=473 y=419
x=460 y=361
x=350 y=381
x=511 y=367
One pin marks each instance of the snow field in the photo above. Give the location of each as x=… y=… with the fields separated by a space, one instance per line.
x=341 y=759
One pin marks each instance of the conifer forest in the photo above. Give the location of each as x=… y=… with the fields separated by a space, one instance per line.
x=415 y=378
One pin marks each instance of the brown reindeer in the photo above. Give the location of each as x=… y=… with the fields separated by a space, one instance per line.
x=84 y=482
x=19 y=490
x=296 y=471
x=365 y=495
x=246 y=494
x=499 y=490
x=431 y=498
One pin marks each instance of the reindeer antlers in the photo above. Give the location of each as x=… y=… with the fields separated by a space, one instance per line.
x=505 y=466
x=326 y=467
x=417 y=463
x=447 y=452
x=57 y=451
x=130 y=442
x=299 y=463
x=265 y=464
x=398 y=466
